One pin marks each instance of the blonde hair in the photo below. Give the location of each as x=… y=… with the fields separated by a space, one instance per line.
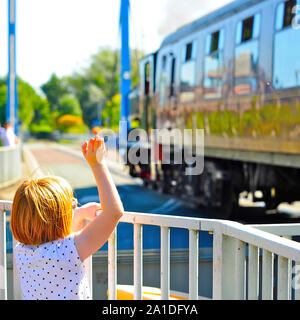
x=42 y=210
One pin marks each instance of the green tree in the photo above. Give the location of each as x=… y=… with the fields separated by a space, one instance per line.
x=28 y=100
x=99 y=82
x=3 y=92
x=111 y=113
x=43 y=120
x=54 y=89
x=68 y=104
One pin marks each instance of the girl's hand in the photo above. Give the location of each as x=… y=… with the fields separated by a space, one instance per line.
x=89 y=211
x=94 y=151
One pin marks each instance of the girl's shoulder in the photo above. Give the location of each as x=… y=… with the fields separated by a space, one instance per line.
x=63 y=249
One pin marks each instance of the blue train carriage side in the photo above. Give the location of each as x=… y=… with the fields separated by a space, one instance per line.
x=235 y=73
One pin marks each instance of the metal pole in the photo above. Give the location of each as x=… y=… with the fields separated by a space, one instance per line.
x=125 y=68
x=11 y=103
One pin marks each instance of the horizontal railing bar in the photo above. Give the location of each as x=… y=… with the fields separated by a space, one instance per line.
x=270 y=242
x=284 y=229
x=162 y=220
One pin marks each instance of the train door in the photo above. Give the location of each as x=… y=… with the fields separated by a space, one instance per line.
x=147 y=76
x=147 y=81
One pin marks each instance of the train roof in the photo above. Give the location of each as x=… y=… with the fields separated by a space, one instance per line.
x=218 y=14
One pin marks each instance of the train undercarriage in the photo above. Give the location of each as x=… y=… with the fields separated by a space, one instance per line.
x=219 y=186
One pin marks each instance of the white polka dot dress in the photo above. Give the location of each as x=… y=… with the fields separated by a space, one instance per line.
x=52 y=271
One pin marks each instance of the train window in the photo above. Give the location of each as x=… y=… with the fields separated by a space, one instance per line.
x=188 y=66
x=163 y=82
x=286 y=62
x=248 y=29
x=246 y=56
x=213 y=65
x=285 y=14
x=172 y=83
x=289 y=14
x=188 y=54
x=214 y=41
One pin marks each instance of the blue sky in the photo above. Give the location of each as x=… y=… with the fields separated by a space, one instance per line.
x=60 y=35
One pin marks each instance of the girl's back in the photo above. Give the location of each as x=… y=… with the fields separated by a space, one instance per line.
x=52 y=271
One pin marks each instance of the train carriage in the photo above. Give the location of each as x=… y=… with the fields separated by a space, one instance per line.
x=234 y=73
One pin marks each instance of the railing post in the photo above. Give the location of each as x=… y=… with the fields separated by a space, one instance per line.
x=112 y=266
x=165 y=263
x=228 y=268
x=193 y=264
x=253 y=273
x=89 y=270
x=88 y=263
x=3 y=264
x=18 y=295
x=296 y=280
x=267 y=275
x=284 y=279
x=217 y=264
x=240 y=268
x=138 y=261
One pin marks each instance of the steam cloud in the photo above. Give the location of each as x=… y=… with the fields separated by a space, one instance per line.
x=179 y=13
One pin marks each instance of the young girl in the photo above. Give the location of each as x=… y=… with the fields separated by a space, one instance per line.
x=52 y=239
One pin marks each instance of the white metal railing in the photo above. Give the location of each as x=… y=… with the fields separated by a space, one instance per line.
x=243 y=257
x=234 y=269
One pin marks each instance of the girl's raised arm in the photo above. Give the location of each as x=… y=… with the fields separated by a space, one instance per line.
x=96 y=233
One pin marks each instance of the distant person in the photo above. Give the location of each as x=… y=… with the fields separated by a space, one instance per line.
x=53 y=241
x=8 y=136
